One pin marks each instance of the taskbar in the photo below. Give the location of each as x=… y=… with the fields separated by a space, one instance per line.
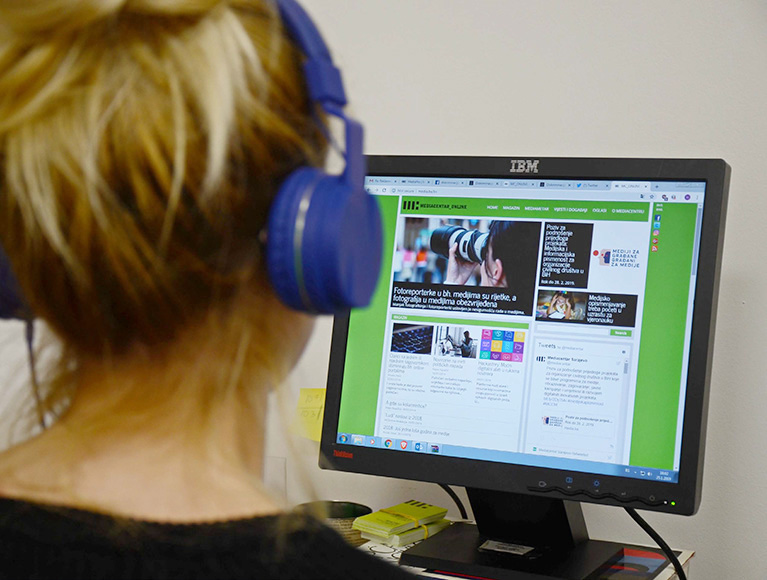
x=514 y=458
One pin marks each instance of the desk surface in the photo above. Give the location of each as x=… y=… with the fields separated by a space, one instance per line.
x=393 y=554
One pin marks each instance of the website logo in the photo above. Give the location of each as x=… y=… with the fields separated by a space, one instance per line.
x=604 y=256
x=411 y=205
x=524 y=166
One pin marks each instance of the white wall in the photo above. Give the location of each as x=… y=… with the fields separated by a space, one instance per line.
x=590 y=78
x=566 y=78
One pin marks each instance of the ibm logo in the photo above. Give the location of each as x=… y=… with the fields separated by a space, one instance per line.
x=524 y=166
x=410 y=205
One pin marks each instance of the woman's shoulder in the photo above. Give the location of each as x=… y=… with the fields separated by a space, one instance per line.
x=76 y=543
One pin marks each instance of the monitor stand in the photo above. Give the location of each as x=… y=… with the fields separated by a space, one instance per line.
x=517 y=537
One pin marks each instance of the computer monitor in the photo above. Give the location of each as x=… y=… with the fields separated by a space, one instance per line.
x=541 y=334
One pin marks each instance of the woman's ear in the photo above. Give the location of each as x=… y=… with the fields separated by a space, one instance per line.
x=499 y=274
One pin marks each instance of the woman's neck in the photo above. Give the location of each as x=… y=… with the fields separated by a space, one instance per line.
x=172 y=446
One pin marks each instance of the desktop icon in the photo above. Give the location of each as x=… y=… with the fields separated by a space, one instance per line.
x=655 y=248
x=388 y=443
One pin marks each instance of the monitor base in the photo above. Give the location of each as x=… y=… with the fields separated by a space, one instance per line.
x=456 y=550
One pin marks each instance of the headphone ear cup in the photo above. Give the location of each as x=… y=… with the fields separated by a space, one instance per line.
x=343 y=245
x=324 y=245
x=282 y=261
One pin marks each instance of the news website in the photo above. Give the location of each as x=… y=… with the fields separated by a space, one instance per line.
x=512 y=320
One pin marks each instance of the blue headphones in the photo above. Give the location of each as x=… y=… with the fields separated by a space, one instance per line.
x=324 y=232
x=324 y=235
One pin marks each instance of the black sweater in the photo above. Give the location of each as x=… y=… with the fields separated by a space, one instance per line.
x=38 y=541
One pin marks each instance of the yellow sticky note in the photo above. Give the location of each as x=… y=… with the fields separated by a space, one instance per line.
x=311 y=406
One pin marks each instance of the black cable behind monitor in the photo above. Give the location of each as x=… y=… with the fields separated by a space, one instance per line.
x=658 y=540
x=449 y=491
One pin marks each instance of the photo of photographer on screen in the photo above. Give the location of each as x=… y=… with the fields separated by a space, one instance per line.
x=466 y=264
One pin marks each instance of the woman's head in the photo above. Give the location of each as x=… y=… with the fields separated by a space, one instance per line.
x=562 y=300
x=512 y=251
x=141 y=145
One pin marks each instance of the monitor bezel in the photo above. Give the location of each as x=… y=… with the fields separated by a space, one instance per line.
x=680 y=498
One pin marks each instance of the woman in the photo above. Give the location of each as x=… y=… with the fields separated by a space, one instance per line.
x=142 y=144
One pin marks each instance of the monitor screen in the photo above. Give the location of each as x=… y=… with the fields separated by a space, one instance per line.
x=541 y=326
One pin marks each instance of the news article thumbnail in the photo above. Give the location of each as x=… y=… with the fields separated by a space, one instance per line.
x=566 y=255
x=412 y=338
x=586 y=308
x=456 y=342
x=466 y=265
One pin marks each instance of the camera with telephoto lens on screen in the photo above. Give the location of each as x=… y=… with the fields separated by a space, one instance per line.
x=472 y=244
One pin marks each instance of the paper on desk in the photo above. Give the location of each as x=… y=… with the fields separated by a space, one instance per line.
x=311 y=405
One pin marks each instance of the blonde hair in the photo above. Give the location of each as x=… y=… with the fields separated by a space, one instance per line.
x=141 y=145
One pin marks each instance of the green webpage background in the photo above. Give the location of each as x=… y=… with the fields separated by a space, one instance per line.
x=364 y=347
x=659 y=376
x=661 y=345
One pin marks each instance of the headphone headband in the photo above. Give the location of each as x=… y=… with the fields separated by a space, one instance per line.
x=323 y=79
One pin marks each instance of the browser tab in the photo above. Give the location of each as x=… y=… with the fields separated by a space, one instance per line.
x=631 y=185
x=416 y=181
x=453 y=182
x=592 y=185
x=557 y=184
x=381 y=180
x=488 y=182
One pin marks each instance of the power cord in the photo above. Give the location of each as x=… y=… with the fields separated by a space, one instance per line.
x=658 y=540
x=449 y=491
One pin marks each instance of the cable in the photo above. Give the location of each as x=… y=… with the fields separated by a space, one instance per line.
x=29 y=332
x=449 y=491
x=658 y=540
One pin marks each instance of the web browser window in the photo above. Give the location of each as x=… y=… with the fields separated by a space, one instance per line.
x=536 y=322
